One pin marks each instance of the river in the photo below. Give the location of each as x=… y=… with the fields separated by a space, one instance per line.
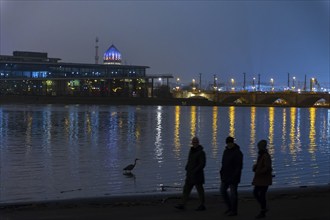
x=52 y=152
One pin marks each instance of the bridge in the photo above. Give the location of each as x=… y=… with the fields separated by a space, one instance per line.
x=282 y=98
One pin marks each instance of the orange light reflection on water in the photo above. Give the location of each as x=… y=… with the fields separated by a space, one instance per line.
x=253 y=131
x=193 y=121
x=312 y=143
x=177 y=130
x=214 y=130
x=292 y=134
x=232 y=121
x=271 y=114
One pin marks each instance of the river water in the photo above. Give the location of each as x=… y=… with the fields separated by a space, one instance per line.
x=51 y=152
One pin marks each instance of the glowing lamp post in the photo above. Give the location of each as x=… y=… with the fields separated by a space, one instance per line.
x=293 y=83
x=193 y=84
x=312 y=84
x=232 y=84
x=177 y=83
x=272 y=83
x=253 y=84
x=215 y=82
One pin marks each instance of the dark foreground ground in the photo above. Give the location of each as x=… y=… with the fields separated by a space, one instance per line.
x=308 y=203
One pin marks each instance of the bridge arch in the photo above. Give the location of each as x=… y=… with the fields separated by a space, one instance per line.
x=235 y=100
x=199 y=96
x=276 y=100
x=314 y=101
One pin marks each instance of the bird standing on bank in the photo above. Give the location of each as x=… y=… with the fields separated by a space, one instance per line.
x=130 y=167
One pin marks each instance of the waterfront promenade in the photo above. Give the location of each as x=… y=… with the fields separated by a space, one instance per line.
x=304 y=203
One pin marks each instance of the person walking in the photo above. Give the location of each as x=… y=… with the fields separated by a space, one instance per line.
x=263 y=177
x=194 y=175
x=230 y=175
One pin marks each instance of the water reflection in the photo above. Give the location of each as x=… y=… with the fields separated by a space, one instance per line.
x=232 y=121
x=158 y=142
x=312 y=142
x=193 y=124
x=253 y=131
x=293 y=133
x=214 y=130
x=177 y=130
x=271 y=114
x=284 y=127
x=89 y=145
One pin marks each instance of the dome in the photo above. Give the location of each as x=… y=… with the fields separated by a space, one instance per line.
x=112 y=56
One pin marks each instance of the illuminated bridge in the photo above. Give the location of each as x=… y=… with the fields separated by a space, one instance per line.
x=285 y=98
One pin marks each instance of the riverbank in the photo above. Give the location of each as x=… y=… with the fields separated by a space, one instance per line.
x=305 y=203
x=89 y=100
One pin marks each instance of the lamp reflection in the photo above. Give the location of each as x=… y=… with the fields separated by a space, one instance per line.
x=271 y=115
x=293 y=133
x=88 y=128
x=232 y=121
x=28 y=137
x=214 y=130
x=283 y=130
x=193 y=121
x=177 y=130
x=253 y=131
x=312 y=144
x=158 y=141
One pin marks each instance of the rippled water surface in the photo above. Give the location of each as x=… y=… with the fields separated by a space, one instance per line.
x=50 y=152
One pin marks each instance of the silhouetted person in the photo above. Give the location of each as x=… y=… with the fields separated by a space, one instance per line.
x=262 y=177
x=230 y=174
x=194 y=175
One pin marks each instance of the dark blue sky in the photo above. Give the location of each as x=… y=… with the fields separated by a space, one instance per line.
x=182 y=38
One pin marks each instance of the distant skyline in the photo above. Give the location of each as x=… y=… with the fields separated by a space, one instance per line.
x=182 y=38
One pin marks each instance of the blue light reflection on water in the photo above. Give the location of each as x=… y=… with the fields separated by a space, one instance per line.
x=71 y=151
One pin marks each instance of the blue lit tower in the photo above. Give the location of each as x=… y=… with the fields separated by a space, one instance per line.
x=112 y=56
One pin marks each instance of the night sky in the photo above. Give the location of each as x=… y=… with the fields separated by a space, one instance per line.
x=182 y=38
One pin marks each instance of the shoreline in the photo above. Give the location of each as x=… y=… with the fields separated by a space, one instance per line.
x=160 y=196
x=289 y=203
x=98 y=100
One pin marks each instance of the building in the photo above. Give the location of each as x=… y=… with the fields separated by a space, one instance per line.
x=34 y=73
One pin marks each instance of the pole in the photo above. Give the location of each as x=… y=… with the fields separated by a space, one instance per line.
x=214 y=82
x=244 y=82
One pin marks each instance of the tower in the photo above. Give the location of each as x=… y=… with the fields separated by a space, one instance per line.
x=96 y=50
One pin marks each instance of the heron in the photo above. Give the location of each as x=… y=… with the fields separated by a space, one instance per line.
x=130 y=167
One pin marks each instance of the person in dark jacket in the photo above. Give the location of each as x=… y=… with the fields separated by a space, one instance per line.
x=230 y=175
x=194 y=175
x=263 y=177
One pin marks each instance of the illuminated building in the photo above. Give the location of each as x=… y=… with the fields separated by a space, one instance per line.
x=34 y=73
x=112 y=56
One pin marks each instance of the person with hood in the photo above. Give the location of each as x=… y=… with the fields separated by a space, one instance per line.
x=263 y=177
x=230 y=175
x=194 y=175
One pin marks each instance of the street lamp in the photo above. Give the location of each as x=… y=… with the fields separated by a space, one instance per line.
x=177 y=83
x=215 y=82
x=293 y=82
x=272 y=83
x=232 y=84
x=193 y=84
x=253 y=84
x=312 y=84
